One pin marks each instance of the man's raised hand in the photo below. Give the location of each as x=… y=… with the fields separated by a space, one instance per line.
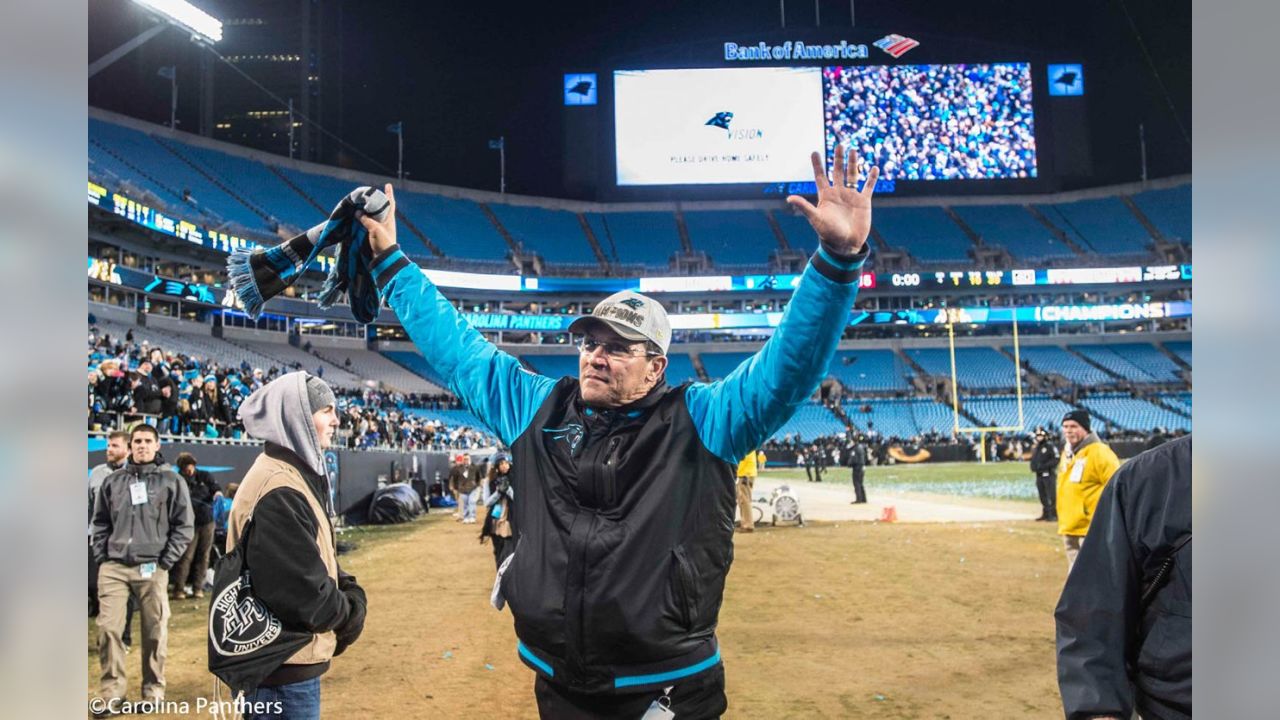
x=382 y=235
x=842 y=217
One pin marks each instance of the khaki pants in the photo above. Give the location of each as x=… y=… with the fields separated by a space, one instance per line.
x=748 y=519
x=115 y=583
x=1072 y=545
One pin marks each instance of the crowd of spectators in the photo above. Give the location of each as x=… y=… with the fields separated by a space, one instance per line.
x=185 y=395
x=934 y=122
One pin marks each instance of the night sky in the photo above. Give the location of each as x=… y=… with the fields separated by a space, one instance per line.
x=461 y=73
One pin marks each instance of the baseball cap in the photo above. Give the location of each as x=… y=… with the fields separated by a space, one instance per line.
x=631 y=315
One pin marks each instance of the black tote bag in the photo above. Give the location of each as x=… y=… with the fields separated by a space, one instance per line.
x=246 y=641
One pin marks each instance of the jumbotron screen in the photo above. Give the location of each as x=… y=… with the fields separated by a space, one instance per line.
x=934 y=122
x=758 y=125
x=704 y=127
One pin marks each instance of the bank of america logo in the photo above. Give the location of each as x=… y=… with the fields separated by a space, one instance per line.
x=895 y=45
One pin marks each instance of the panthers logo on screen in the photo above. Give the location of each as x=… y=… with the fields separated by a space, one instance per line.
x=721 y=120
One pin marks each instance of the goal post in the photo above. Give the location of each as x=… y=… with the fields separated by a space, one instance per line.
x=955 y=391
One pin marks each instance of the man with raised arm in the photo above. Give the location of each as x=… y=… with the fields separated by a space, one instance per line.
x=625 y=485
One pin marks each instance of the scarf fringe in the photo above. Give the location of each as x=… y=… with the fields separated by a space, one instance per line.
x=240 y=276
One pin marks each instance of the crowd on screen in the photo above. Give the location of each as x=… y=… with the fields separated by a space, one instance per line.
x=186 y=395
x=934 y=122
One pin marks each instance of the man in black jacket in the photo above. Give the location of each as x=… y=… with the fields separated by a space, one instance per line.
x=195 y=561
x=624 y=486
x=1124 y=618
x=1044 y=464
x=141 y=527
x=858 y=463
x=291 y=548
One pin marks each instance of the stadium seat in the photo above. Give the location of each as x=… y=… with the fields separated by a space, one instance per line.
x=798 y=231
x=1104 y=225
x=1002 y=411
x=870 y=370
x=902 y=418
x=254 y=181
x=142 y=151
x=640 y=238
x=732 y=237
x=976 y=367
x=928 y=233
x=811 y=421
x=1014 y=228
x=1169 y=210
x=720 y=364
x=1180 y=348
x=556 y=235
x=1052 y=360
x=1129 y=413
x=553 y=366
x=1138 y=362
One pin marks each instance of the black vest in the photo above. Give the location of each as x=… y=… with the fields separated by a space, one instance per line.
x=625 y=535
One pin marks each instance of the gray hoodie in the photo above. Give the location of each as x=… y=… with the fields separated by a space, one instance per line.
x=280 y=413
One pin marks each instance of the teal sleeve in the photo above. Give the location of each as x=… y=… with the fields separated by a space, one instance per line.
x=734 y=416
x=492 y=384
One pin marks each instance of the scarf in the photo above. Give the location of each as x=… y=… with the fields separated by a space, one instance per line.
x=259 y=275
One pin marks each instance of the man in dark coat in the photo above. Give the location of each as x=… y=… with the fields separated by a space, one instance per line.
x=1124 y=618
x=1044 y=464
x=858 y=463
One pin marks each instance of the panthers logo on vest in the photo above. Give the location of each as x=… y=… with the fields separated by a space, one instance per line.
x=239 y=625
x=571 y=434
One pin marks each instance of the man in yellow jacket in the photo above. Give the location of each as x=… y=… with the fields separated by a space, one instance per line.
x=1087 y=465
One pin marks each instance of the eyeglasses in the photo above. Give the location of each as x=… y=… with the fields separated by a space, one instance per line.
x=615 y=350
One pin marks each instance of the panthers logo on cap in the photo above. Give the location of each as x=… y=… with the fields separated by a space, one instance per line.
x=633 y=303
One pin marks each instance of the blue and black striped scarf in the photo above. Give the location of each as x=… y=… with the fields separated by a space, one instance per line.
x=259 y=275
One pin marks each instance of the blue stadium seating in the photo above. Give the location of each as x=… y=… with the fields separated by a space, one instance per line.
x=810 y=421
x=798 y=231
x=1180 y=401
x=1053 y=360
x=555 y=234
x=1183 y=350
x=328 y=191
x=259 y=185
x=1169 y=210
x=1130 y=413
x=680 y=369
x=451 y=418
x=645 y=238
x=928 y=233
x=553 y=366
x=1104 y=225
x=1002 y=411
x=1012 y=227
x=108 y=170
x=415 y=363
x=720 y=364
x=732 y=237
x=1138 y=362
x=144 y=152
x=976 y=367
x=900 y=417
x=869 y=370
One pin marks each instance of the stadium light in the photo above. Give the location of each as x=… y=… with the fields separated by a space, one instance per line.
x=180 y=12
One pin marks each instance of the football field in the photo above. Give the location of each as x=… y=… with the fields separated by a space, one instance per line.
x=837 y=619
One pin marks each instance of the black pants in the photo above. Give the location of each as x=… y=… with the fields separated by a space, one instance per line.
x=499 y=544
x=1045 y=486
x=860 y=494
x=701 y=698
x=808 y=471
